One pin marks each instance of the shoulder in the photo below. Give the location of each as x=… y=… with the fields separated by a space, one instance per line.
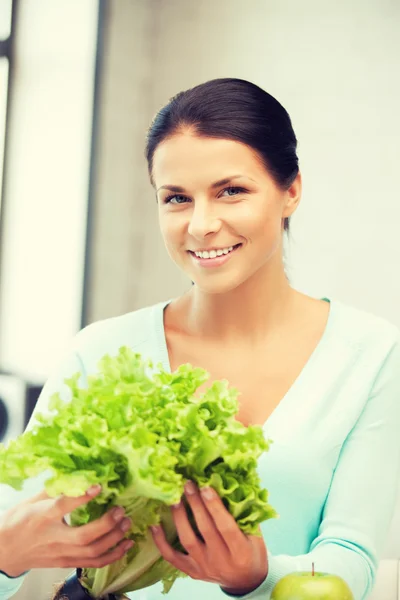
x=369 y=342
x=140 y=330
x=363 y=328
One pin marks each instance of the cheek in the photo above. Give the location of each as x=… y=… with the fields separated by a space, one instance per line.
x=254 y=220
x=171 y=230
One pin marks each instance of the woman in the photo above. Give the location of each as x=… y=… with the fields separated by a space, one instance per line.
x=322 y=378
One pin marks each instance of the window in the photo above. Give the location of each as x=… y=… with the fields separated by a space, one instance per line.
x=5 y=42
x=3 y=106
x=5 y=19
x=45 y=200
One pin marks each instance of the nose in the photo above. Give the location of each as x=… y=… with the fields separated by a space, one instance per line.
x=203 y=221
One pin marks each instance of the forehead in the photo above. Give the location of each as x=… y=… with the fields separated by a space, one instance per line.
x=187 y=156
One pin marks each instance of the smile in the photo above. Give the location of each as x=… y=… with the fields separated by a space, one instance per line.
x=214 y=258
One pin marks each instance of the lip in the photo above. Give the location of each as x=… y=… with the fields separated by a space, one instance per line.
x=209 y=263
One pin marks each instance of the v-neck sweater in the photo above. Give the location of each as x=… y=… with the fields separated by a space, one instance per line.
x=333 y=468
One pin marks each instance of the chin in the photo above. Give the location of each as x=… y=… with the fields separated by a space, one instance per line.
x=215 y=286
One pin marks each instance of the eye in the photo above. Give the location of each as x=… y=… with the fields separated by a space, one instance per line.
x=169 y=199
x=236 y=190
x=179 y=199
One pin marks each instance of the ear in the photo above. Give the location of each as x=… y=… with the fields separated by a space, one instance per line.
x=292 y=197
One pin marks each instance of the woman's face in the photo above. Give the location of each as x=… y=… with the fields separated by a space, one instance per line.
x=214 y=195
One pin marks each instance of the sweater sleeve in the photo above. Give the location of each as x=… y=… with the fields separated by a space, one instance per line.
x=10 y=497
x=362 y=495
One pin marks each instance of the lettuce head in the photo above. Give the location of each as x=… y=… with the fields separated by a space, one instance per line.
x=141 y=433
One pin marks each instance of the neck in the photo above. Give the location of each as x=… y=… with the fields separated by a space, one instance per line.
x=254 y=311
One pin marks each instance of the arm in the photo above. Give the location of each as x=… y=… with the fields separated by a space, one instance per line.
x=362 y=497
x=10 y=497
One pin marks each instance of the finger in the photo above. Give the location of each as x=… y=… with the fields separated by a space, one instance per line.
x=43 y=495
x=62 y=505
x=87 y=534
x=100 y=561
x=204 y=521
x=229 y=530
x=187 y=536
x=105 y=543
x=177 y=559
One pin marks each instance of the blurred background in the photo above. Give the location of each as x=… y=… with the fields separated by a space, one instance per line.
x=80 y=81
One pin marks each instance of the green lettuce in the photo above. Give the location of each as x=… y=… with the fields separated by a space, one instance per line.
x=141 y=433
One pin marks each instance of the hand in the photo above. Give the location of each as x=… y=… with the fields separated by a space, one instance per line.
x=34 y=534
x=236 y=562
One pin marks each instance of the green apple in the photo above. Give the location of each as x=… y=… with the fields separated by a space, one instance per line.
x=310 y=585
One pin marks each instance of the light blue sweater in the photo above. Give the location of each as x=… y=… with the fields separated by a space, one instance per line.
x=333 y=469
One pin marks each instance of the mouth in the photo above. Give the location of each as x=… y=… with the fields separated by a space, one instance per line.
x=215 y=261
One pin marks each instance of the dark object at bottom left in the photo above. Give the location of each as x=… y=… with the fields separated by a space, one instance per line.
x=72 y=589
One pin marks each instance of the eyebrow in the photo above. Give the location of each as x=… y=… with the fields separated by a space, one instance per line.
x=178 y=189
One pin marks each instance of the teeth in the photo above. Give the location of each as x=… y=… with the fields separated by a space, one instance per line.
x=214 y=253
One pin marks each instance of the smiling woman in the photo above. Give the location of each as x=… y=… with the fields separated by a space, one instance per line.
x=249 y=141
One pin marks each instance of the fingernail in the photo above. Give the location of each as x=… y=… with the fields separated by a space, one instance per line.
x=128 y=545
x=176 y=506
x=207 y=493
x=126 y=524
x=117 y=513
x=155 y=528
x=92 y=491
x=190 y=488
